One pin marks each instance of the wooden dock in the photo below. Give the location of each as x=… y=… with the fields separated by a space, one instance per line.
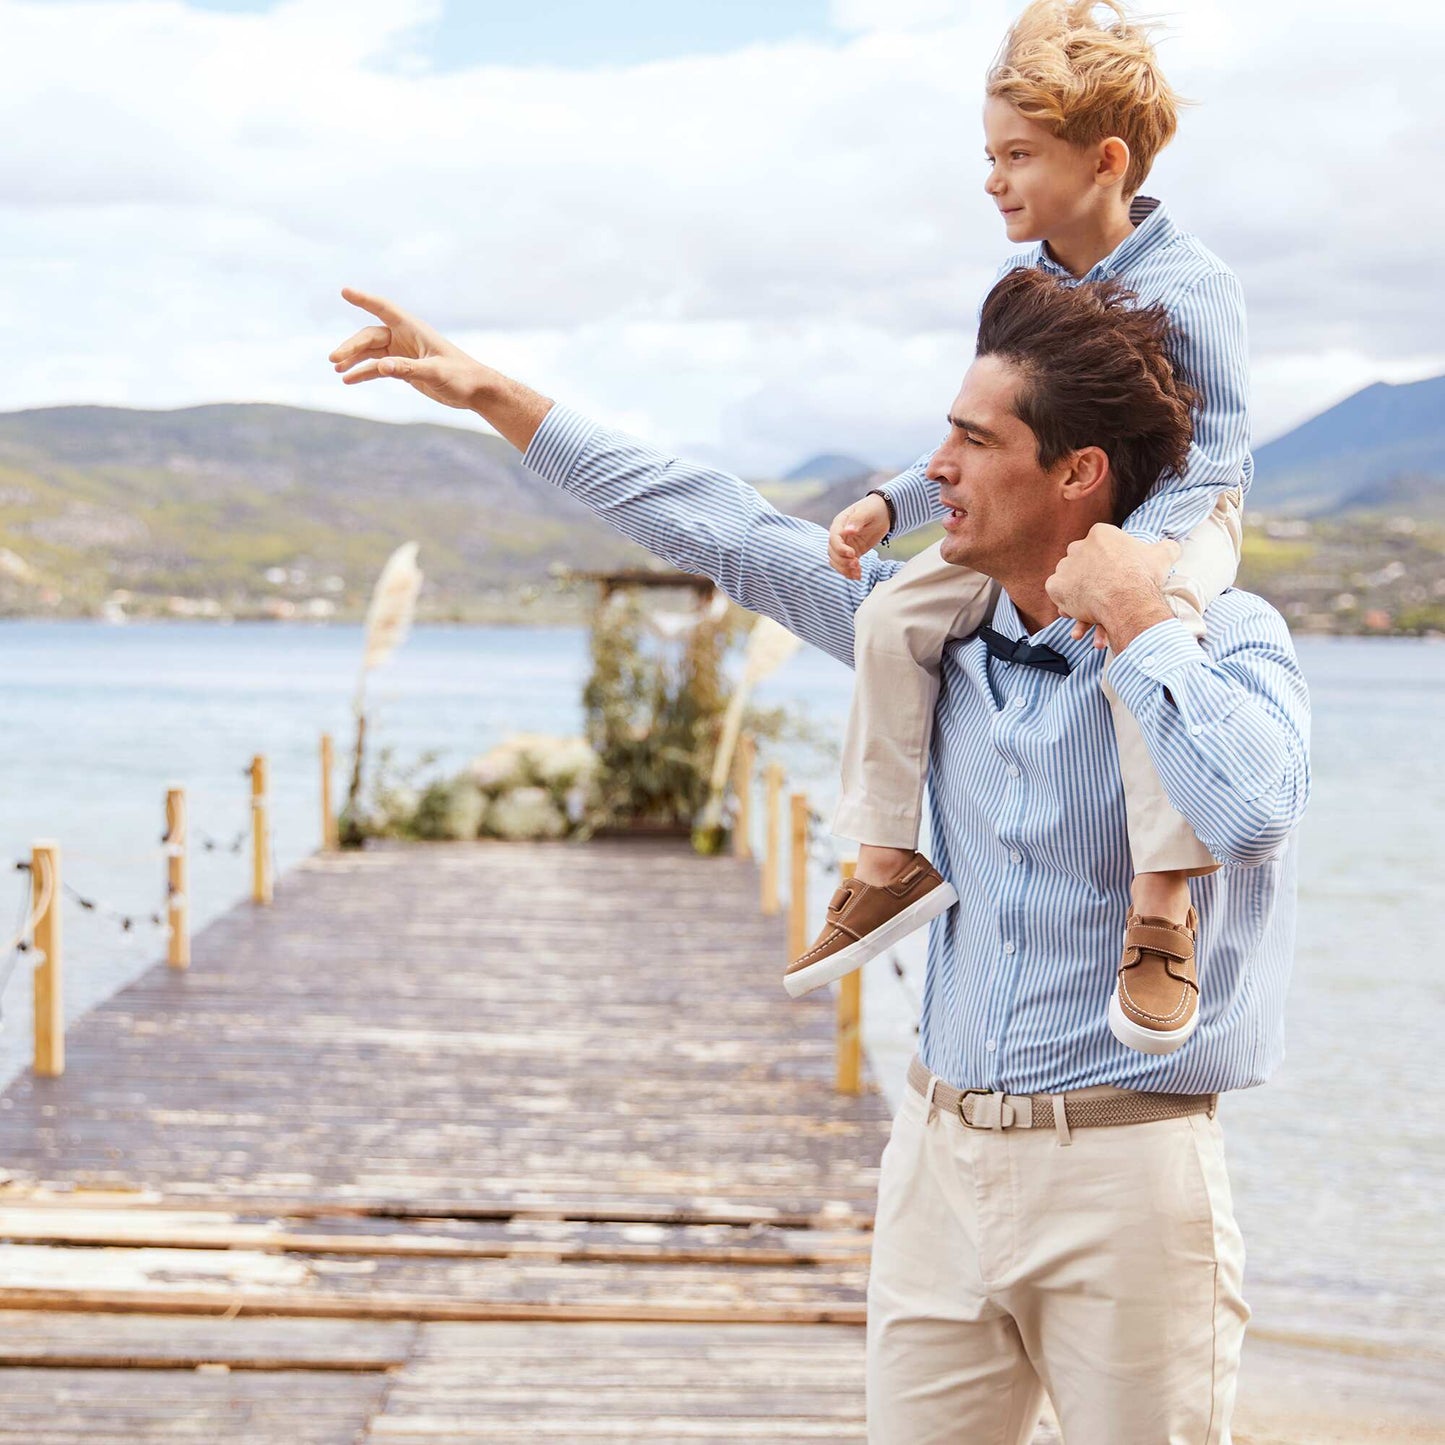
x=452 y=1143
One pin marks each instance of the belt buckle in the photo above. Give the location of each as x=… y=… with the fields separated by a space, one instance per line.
x=963 y=1118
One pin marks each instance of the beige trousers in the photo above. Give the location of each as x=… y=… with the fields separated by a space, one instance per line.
x=901 y=631
x=1106 y=1272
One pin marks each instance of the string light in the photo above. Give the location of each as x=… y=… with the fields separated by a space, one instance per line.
x=20 y=942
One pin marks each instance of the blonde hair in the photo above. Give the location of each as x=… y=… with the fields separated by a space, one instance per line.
x=1086 y=81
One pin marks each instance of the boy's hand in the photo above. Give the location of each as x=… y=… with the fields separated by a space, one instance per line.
x=410 y=350
x=856 y=529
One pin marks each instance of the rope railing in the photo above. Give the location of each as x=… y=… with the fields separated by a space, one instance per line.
x=37 y=926
x=812 y=851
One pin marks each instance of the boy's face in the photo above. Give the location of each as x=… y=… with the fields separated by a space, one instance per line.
x=1043 y=186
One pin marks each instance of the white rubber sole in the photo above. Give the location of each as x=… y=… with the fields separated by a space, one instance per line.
x=935 y=901
x=1147 y=1041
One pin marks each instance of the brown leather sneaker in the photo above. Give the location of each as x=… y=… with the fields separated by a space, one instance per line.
x=1155 y=1006
x=864 y=920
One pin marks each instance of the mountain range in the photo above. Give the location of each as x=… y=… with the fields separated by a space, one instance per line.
x=273 y=510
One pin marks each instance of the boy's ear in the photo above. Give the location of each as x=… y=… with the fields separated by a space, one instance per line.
x=1113 y=162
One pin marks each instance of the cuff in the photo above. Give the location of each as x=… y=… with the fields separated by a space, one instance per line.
x=558 y=444
x=1166 y=659
x=912 y=505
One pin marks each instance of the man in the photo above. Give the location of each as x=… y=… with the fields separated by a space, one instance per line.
x=1054 y=1210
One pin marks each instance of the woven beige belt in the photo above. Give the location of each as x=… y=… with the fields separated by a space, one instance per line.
x=986 y=1109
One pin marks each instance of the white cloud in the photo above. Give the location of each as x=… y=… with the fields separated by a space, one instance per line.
x=762 y=254
x=863 y=15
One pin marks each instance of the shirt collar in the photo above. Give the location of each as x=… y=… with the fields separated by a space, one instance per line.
x=1153 y=228
x=1056 y=634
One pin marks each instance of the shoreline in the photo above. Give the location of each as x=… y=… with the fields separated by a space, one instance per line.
x=554 y=619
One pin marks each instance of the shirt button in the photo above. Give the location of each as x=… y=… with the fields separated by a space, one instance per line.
x=1195 y=731
x=991 y=1045
x=1019 y=702
x=1009 y=946
x=1017 y=856
x=1013 y=772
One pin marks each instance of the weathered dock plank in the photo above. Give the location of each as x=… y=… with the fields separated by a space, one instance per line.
x=283 y=1407
x=508 y=1383
x=472 y=1026
x=542 y=1113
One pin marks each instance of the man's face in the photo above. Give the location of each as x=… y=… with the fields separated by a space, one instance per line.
x=1007 y=511
x=1043 y=186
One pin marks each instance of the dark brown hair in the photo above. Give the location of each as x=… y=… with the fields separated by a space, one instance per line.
x=1095 y=374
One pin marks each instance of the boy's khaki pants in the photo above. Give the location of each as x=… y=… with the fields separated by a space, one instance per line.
x=1106 y=1271
x=901 y=631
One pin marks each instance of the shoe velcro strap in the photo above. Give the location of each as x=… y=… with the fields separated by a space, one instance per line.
x=1151 y=939
x=838 y=909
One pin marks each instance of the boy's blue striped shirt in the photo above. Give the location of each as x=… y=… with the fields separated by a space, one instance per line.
x=1169 y=267
x=1026 y=803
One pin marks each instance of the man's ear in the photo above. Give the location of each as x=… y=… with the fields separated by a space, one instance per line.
x=1089 y=478
x=1113 y=162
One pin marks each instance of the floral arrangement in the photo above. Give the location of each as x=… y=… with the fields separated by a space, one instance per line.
x=527 y=787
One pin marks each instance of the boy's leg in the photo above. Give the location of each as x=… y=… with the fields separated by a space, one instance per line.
x=900 y=634
x=899 y=639
x=1155 y=1006
x=1160 y=838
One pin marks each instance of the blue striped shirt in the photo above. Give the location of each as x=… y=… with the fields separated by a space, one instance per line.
x=1208 y=346
x=1026 y=803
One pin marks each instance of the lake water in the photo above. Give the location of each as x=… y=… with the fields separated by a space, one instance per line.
x=1339 y=1164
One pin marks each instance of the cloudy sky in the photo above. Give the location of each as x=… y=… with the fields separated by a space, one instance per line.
x=752 y=230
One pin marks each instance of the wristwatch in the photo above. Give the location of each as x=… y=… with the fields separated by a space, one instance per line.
x=892 y=515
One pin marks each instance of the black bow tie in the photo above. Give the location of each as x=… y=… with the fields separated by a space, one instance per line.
x=1029 y=654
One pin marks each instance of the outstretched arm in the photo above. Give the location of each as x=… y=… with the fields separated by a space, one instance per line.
x=696 y=518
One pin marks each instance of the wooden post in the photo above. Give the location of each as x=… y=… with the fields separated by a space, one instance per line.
x=798 y=894
x=329 y=840
x=772 y=840
x=260 y=833
x=49 y=1010
x=743 y=769
x=178 y=905
x=850 y=1023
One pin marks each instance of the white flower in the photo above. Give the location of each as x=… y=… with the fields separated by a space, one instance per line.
x=525 y=813
x=566 y=763
x=505 y=766
x=458 y=812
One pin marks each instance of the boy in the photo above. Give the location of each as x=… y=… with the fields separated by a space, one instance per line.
x=1076 y=111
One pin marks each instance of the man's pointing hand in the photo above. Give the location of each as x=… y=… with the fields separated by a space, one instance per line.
x=408 y=349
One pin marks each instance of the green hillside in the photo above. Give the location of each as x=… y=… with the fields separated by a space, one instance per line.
x=262 y=510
